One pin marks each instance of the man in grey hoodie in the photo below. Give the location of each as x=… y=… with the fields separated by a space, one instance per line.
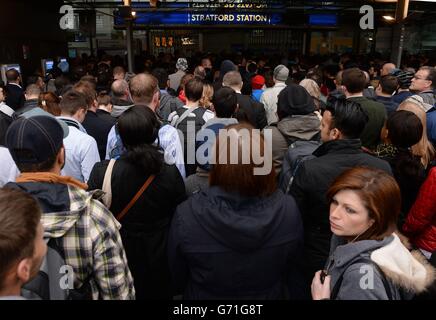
x=121 y=100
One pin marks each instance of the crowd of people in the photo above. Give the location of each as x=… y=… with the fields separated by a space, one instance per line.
x=128 y=180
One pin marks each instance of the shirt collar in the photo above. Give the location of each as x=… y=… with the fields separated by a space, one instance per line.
x=72 y=122
x=16 y=84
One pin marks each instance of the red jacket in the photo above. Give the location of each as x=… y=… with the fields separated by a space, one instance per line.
x=420 y=224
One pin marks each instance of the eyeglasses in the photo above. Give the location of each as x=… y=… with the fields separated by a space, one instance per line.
x=417 y=78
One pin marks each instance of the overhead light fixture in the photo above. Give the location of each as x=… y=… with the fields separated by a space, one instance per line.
x=389 y=18
x=133 y=14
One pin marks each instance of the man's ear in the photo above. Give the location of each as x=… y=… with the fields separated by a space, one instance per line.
x=155 y=101
x=60 y=159
x=23 y=270
x=335 y=134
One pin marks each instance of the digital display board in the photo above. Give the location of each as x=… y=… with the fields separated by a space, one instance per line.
x=325 y=20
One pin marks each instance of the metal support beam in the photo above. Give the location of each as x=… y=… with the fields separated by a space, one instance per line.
x=399 y=31
x=129 y=37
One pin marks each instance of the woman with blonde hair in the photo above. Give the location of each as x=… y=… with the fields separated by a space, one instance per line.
x=206 y=99
x=423 y=148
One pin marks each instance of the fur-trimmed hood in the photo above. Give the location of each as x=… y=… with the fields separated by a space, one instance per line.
x=407 y=272
x=406 y=269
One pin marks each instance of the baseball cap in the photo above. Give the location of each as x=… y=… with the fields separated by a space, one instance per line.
x=281 y=73
x=35 y=139
x=257 y=82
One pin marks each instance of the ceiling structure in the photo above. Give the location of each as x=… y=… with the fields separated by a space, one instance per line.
x=420 y=11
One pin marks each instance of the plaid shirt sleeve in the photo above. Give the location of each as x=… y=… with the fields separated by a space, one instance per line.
x=111 y=272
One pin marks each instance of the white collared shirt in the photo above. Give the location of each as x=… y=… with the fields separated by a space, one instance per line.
x=81 y=151
x=269 y=99
x=16 y=84
x=8 y=170
x=6 y=109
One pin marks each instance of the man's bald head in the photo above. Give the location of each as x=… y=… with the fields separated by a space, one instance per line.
x=387 y=68
x=143 y=88
x=232 y=79
x=32 y=92
x=120 y=89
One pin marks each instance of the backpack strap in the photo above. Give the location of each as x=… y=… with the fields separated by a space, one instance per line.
x=185 y=115
x=107 y=185
x=136 y=197
x=337 y=287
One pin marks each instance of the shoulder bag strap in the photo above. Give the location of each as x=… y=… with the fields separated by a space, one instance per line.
x=107 y=186
x=136 y=197
x=184 y=116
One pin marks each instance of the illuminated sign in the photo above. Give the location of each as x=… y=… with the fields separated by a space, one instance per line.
x=163 y=42
x=207 y=18
x=222 y=4
x=326 y=20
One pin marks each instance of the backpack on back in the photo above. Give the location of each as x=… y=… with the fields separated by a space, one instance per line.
x=189 y=119
x=53 y=279
x=298 y=152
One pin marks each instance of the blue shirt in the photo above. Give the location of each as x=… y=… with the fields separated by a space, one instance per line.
x=81 y=151
x=257 y=94
x=168 y=140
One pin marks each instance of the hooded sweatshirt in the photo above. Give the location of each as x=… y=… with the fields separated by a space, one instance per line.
x=226 y=246
x=298 y=122
x=119 y=106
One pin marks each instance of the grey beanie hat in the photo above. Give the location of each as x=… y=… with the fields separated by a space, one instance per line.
x=281 y=73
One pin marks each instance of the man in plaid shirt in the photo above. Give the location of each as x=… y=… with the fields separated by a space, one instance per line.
x=84 y=230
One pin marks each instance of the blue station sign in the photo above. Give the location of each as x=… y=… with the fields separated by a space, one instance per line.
x=203 y=18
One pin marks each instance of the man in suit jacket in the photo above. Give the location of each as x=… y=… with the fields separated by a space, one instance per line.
x=253 y=110
x=15 y=98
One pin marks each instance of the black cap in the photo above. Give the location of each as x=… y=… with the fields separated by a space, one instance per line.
x=34 y=140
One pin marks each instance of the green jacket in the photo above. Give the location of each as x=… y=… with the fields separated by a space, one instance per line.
x=376 y=111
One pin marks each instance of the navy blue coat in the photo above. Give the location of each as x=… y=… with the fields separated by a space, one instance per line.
x=225 y=246
x=15 y=96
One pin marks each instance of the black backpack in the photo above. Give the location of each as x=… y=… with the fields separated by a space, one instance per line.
x=195 y=116
x=298 y=152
